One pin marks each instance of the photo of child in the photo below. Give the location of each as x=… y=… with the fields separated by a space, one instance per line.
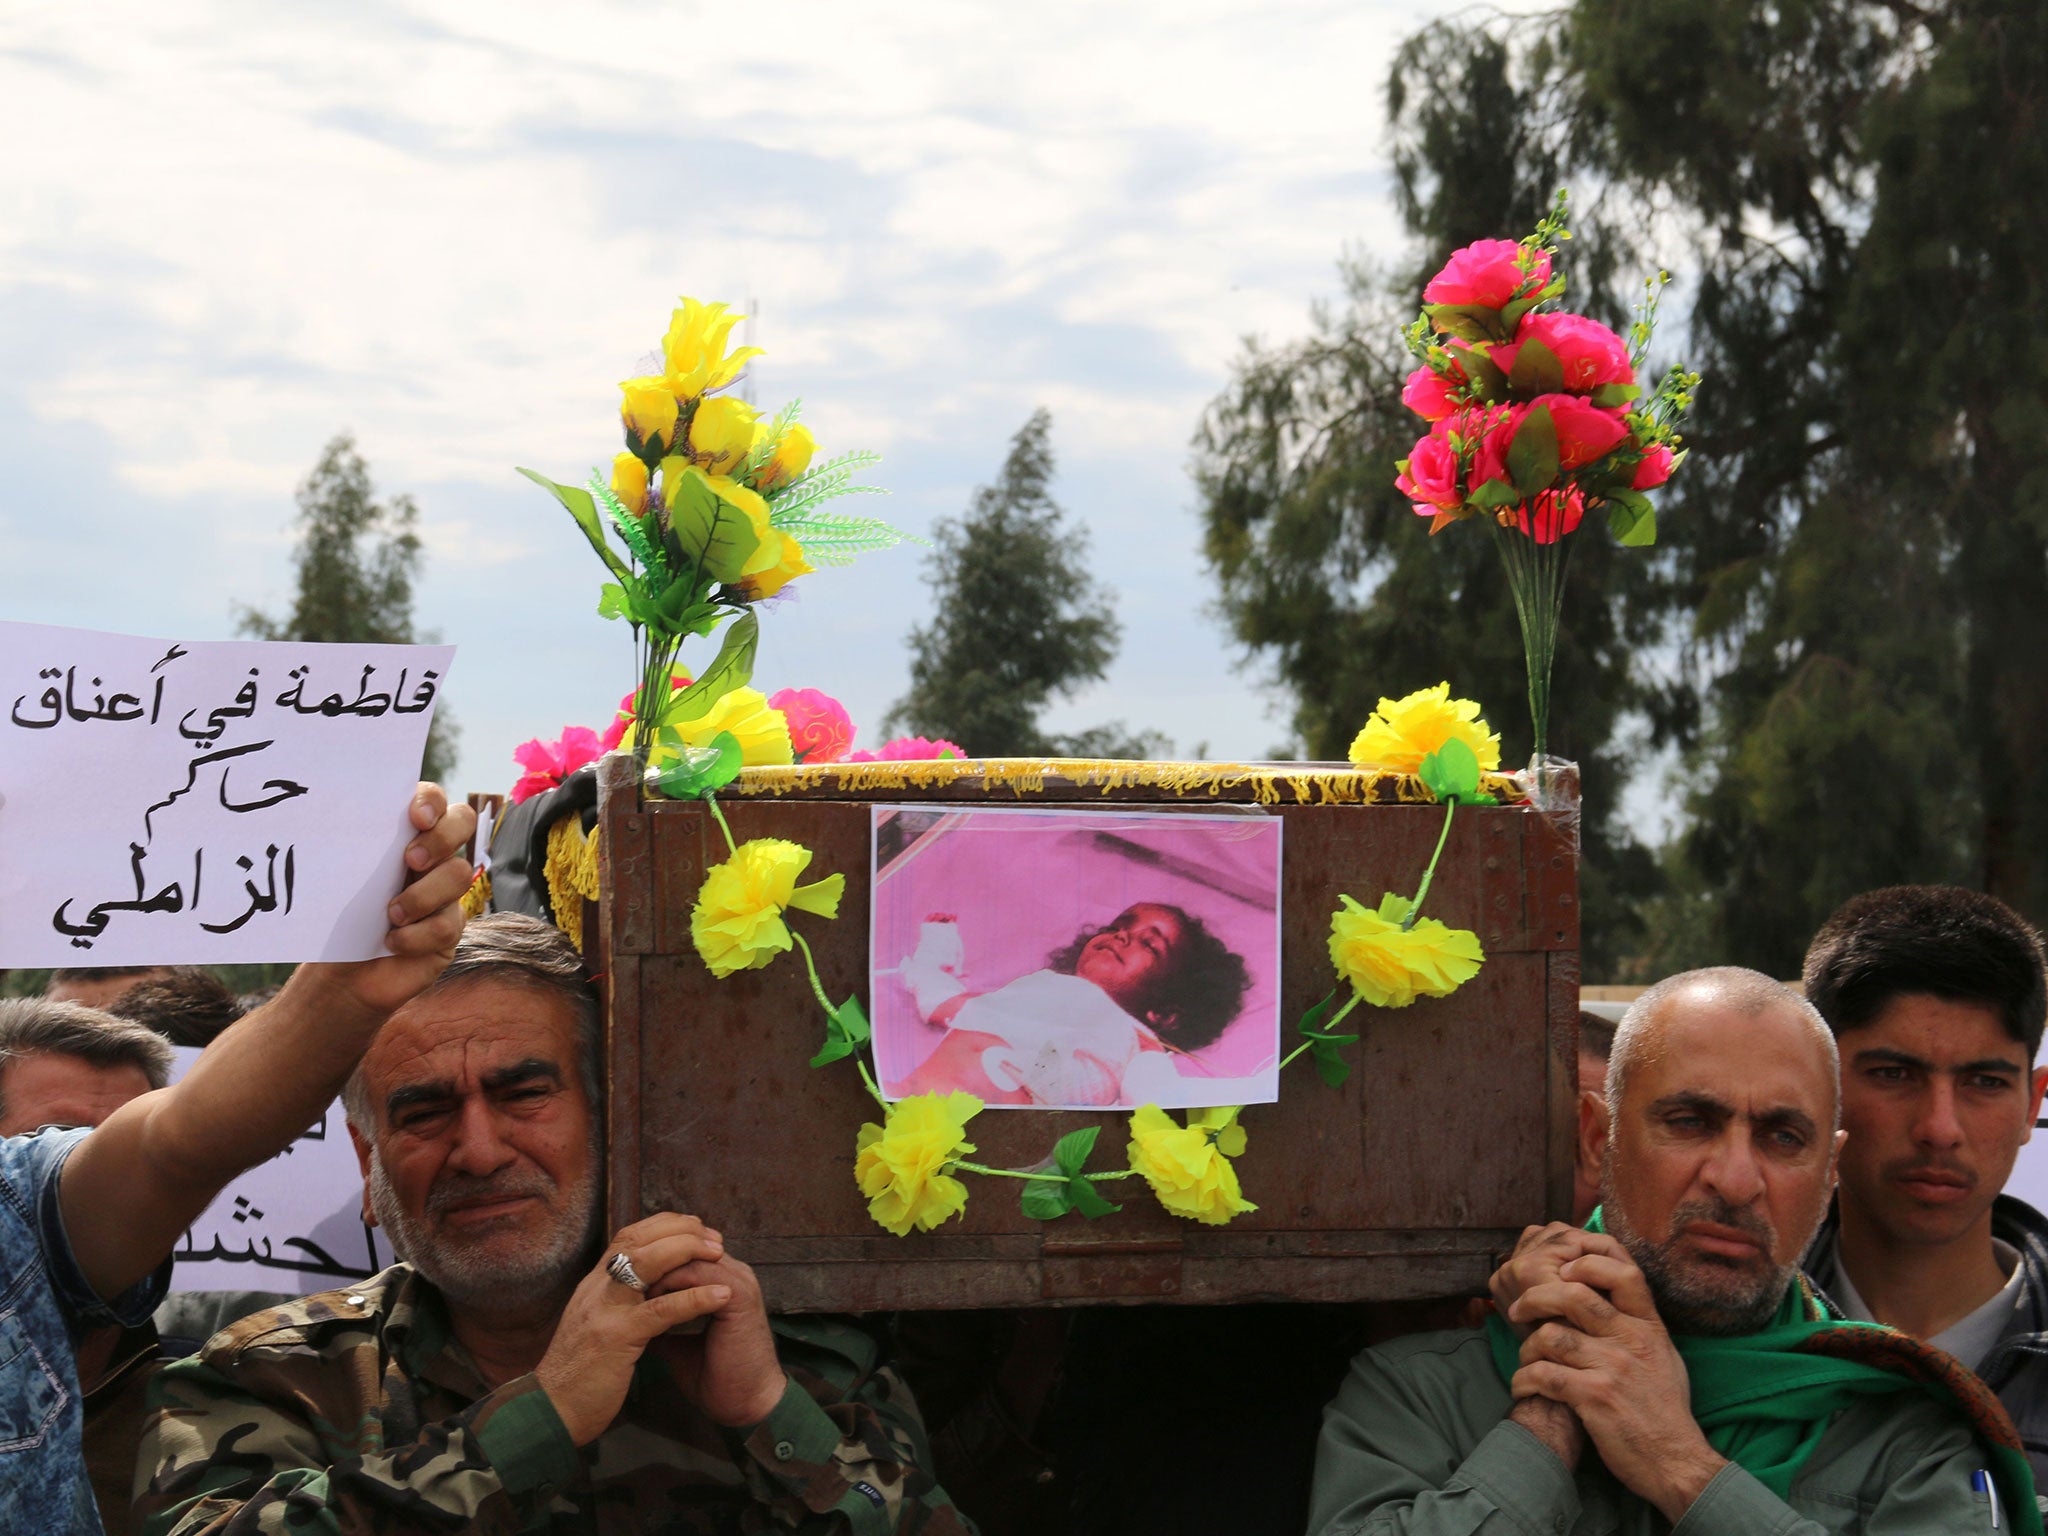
x=1077 y=960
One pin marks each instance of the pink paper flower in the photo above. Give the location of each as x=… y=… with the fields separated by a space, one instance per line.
x=616 y=731
x=909 y=749
x=1494 y=429
x=819 y=728
x=547 y=763
x=1428 y=393
x=1584 y=431
x=1654 y=470
x=1484 y=273
x=1590 y=354
x=1431 y=476
x=1549 y=516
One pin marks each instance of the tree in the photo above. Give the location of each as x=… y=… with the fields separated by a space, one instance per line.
x=356 y=563
x=1018 y=621
x=1326 y=573
x=1858 y=562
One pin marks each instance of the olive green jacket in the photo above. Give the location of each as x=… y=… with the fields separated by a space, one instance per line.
x=355 y=1413
x=1417 y=1441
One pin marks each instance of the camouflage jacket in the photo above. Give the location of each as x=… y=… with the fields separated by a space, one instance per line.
x=356 y=1412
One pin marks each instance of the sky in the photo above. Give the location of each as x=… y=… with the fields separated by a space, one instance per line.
x=230 y=231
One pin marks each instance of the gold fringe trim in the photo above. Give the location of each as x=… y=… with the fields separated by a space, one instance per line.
x=1269 y=783
x=476 y=901
x=570 y=871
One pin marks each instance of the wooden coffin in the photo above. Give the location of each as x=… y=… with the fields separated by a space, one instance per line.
x=1453 y=1131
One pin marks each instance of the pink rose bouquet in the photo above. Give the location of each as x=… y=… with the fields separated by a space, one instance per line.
x=1537 y=417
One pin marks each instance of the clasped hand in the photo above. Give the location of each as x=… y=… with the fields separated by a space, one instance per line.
x=730 y=1369
x=1594 y=1344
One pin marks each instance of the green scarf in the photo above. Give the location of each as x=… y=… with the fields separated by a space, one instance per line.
x=1765 y=1399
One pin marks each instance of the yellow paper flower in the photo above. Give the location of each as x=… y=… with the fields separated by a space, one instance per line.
x=722 y=433
x=901 y=1166
x=762 y=732
x=790 y=457
x=1189 y=1166
x=629 y=482
x=737 y=923
x=649 y=410
x=777 y=561
x=1390 y=966
x=694 y=358
x=1402 y=732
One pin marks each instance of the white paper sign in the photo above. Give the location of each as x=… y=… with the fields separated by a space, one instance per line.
x=293 y=1224
x=204 y=802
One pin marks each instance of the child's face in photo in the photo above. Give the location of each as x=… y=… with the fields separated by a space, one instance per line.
x=1132 y=954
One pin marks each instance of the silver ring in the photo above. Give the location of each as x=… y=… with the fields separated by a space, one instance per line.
x=621 y=1269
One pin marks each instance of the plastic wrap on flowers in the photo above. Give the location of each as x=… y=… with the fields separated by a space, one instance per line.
x=1552 y=785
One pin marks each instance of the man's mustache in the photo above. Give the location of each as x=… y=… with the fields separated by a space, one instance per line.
x=454 y=1189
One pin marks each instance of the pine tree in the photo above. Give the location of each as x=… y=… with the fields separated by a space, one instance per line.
x=356 y=563
x=1018 y=621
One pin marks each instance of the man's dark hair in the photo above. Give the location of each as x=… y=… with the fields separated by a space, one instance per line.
x=1959 y=945
x=35 y=1026
x=188 y=1005
x=1202 y=988
x=99 y=972
x=1596 y=1035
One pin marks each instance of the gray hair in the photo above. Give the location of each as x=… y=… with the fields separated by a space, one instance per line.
x=513 y=949
x=35 y=1026
x=1745 y=992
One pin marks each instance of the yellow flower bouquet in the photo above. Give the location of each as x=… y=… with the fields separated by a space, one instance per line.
x=714 y=509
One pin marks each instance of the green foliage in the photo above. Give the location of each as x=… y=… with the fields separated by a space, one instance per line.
x=1018 y=621
x=356 y=563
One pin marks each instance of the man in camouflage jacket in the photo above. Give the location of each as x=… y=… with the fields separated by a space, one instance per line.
x=513 y=1376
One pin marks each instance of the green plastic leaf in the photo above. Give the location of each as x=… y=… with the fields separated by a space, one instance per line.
x=1313 y=1020
x=849 y=1017
x=611 y=601
x=1088 y=1200
x=1467 y=322
x=1532 y=456
x=715 y=537
x=1494 y=495
x=584 y=510
x=1070 y=1153
x=1537 y=370
x=729 y=669
x=1044 y=1200
x=1631 y=518
x=1451 y=771
x=835 y=1048
x=701 y=770
x=1613 y=396
x=1331 y=1066
x=1482 y=373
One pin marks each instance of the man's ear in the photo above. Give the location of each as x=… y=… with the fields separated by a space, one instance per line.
x=363 y=1163
x=1592 y=1132
x=2039 y=1082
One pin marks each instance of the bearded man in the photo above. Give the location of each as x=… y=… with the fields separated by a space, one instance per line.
x=1672 y=1371
x=515 y=1374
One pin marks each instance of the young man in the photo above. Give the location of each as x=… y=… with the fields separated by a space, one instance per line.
x=1937 y=998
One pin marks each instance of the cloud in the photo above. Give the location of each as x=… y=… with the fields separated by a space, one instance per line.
x=451 y=228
